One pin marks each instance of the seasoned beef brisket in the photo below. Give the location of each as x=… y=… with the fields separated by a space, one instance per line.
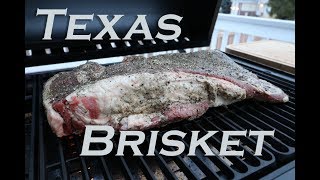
x=141 y=93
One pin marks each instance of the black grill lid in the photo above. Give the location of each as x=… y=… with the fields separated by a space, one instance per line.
x=197 y=26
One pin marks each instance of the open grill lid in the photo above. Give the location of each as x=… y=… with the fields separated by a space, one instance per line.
x=197 y=26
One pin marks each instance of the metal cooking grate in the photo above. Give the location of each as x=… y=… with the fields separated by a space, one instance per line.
x=48 y=157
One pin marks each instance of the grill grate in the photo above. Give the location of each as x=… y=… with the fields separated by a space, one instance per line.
x=48 y=157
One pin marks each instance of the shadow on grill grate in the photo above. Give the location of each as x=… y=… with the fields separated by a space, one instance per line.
x=48 y=157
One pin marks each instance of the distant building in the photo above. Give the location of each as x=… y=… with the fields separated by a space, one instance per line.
x=250 y=8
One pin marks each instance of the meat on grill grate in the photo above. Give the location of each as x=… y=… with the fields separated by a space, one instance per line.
x=141 y=93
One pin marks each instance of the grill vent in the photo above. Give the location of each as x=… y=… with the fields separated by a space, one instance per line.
x=41 y=56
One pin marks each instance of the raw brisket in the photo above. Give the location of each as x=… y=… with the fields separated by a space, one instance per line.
x=141 y=93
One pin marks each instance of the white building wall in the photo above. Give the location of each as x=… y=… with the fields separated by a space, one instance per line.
x=261 y=9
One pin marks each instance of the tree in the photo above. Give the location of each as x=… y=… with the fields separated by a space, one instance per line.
x=226 y=6
x=282 y=9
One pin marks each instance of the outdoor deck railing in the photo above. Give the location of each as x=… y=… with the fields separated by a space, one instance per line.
x=233 y=29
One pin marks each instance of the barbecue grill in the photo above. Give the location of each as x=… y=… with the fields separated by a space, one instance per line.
x=49 y=157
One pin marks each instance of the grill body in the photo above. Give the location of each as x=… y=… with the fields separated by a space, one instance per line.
x=48 y=157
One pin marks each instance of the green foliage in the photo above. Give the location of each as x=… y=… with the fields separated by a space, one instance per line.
x=282 y=9
x=226 y=6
